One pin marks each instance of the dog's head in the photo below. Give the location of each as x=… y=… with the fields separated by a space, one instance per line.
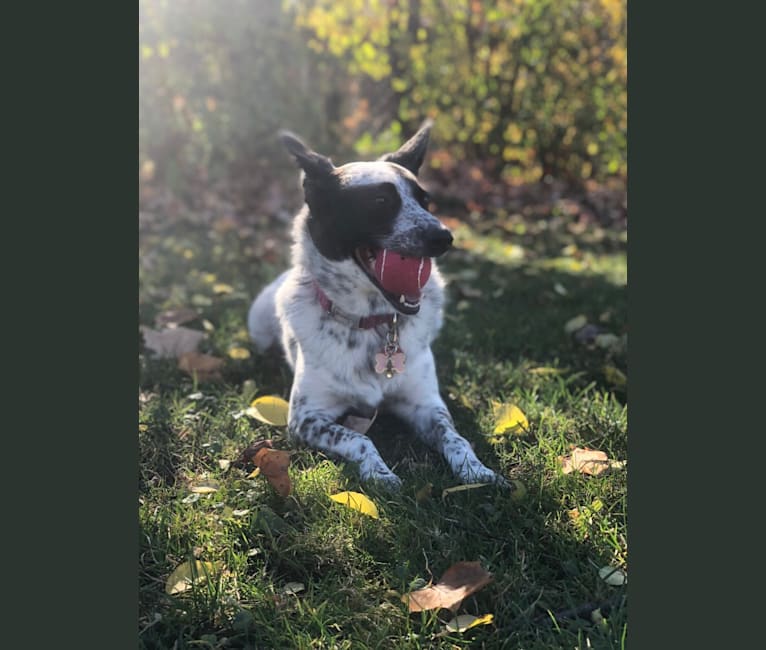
x=360 y=209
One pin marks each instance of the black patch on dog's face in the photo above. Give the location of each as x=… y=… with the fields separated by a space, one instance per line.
x=345 y=217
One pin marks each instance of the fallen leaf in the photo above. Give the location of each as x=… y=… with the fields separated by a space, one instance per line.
x=273 y=464
x=204 y=487
x=560 y=289
x=547 y=370
x=519 y=491
x=176 y=317
x=608 y=341
x=359 y=424
x=224 y=464
x=457 y=583
x=293 y=588
x=575 y=324
x=255 y=473
x=424 y=493
x=240 y=513
x=461 y=488
x=239 y=353
x=171 y=343
x=615 y=376
x=613 y=576
x=269 y=409
x=249 y=452
x=509 y=418
x=588 y=461
x=192 y=498
x=187 y=575
x=202 y=366
x=357 y=501
x=222 y=288
x=467 y=621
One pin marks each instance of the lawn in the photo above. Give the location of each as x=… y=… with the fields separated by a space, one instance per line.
x=516 y=280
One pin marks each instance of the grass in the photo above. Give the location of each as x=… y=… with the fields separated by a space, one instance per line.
x=513 y=287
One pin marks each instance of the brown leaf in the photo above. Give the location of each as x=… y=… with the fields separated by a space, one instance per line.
x=458 y=582
x=586 y=461
x=171 y=343
x=273 y=464
x=358 y=423
x=249 y=452
x=204 y=366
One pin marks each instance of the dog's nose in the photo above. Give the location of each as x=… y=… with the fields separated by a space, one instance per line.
x=438 y=241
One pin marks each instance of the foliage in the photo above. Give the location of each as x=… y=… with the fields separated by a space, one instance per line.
x=529 y=87
x=539 y=86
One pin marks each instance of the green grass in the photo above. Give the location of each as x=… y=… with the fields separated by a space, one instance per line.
x=513 y=287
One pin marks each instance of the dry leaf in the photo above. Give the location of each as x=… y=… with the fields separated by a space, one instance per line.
x=613 y=576
x=204 y=488
x=188 y=574
x=461 y=488
x=359 y=424
x=171 y=343
x=576 y=323
x=587 y=461
x=457 y=583
x=357 y=501
x=293 y=588
x=176 y=317
x=202 y=366
x=509 y=418
x=467 y=621
x=239 y=353
x=249 y=452
x=615 y=376
x=269 y=409
x=273 y=464
x=255 y=473
x=424 y=493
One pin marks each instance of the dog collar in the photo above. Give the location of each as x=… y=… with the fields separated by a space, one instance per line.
x=361 y=322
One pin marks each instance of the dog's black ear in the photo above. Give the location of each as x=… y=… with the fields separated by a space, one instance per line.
x=412 y=153
x=311 y=162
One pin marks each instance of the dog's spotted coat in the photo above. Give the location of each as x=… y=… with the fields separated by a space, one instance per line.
x=377 y=204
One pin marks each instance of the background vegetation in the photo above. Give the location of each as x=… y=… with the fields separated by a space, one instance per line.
x=527 y=166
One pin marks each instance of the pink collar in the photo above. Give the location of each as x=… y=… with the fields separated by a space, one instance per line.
x=362 y=322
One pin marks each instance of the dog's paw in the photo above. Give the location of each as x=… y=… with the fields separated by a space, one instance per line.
x=478 y=473
x=381 y=475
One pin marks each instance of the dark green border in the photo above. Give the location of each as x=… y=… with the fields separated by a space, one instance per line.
x=70 y=457
x=688 y=452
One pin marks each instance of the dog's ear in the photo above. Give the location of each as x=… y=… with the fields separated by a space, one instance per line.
x=411 y=154
x=311 y=162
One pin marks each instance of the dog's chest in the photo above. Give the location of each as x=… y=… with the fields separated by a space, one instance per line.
x=349 y=360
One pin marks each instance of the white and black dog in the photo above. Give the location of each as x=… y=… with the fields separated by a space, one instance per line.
x=355 y=346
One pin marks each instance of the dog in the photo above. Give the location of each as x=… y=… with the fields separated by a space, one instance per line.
x=355 y=345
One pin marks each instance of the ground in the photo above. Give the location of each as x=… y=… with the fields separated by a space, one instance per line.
x=517 y=277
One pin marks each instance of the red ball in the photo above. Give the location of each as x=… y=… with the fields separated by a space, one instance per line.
x=402 y=275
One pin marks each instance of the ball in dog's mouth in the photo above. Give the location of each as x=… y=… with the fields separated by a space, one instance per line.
x=400 y=277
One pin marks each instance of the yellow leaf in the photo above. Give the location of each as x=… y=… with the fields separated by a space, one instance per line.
x=615 y=376
x=222 y=288
x=466 y=622
x=358 y=502
x=547 y=370
x=204 y=489
x=576 y=323
x=239 y=353
x=186 y=575
x=254 y=473
x=460 y=488
x=269 y=409
x=509 y=418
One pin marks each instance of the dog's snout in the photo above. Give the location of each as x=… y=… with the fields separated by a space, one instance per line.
x=438 y=241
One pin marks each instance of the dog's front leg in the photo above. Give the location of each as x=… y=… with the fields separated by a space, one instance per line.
x=313 y=424
x=421 y=406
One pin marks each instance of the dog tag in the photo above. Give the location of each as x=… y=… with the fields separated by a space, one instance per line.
x=389 y=363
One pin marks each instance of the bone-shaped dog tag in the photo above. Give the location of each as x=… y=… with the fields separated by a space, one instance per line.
x=390 y=364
